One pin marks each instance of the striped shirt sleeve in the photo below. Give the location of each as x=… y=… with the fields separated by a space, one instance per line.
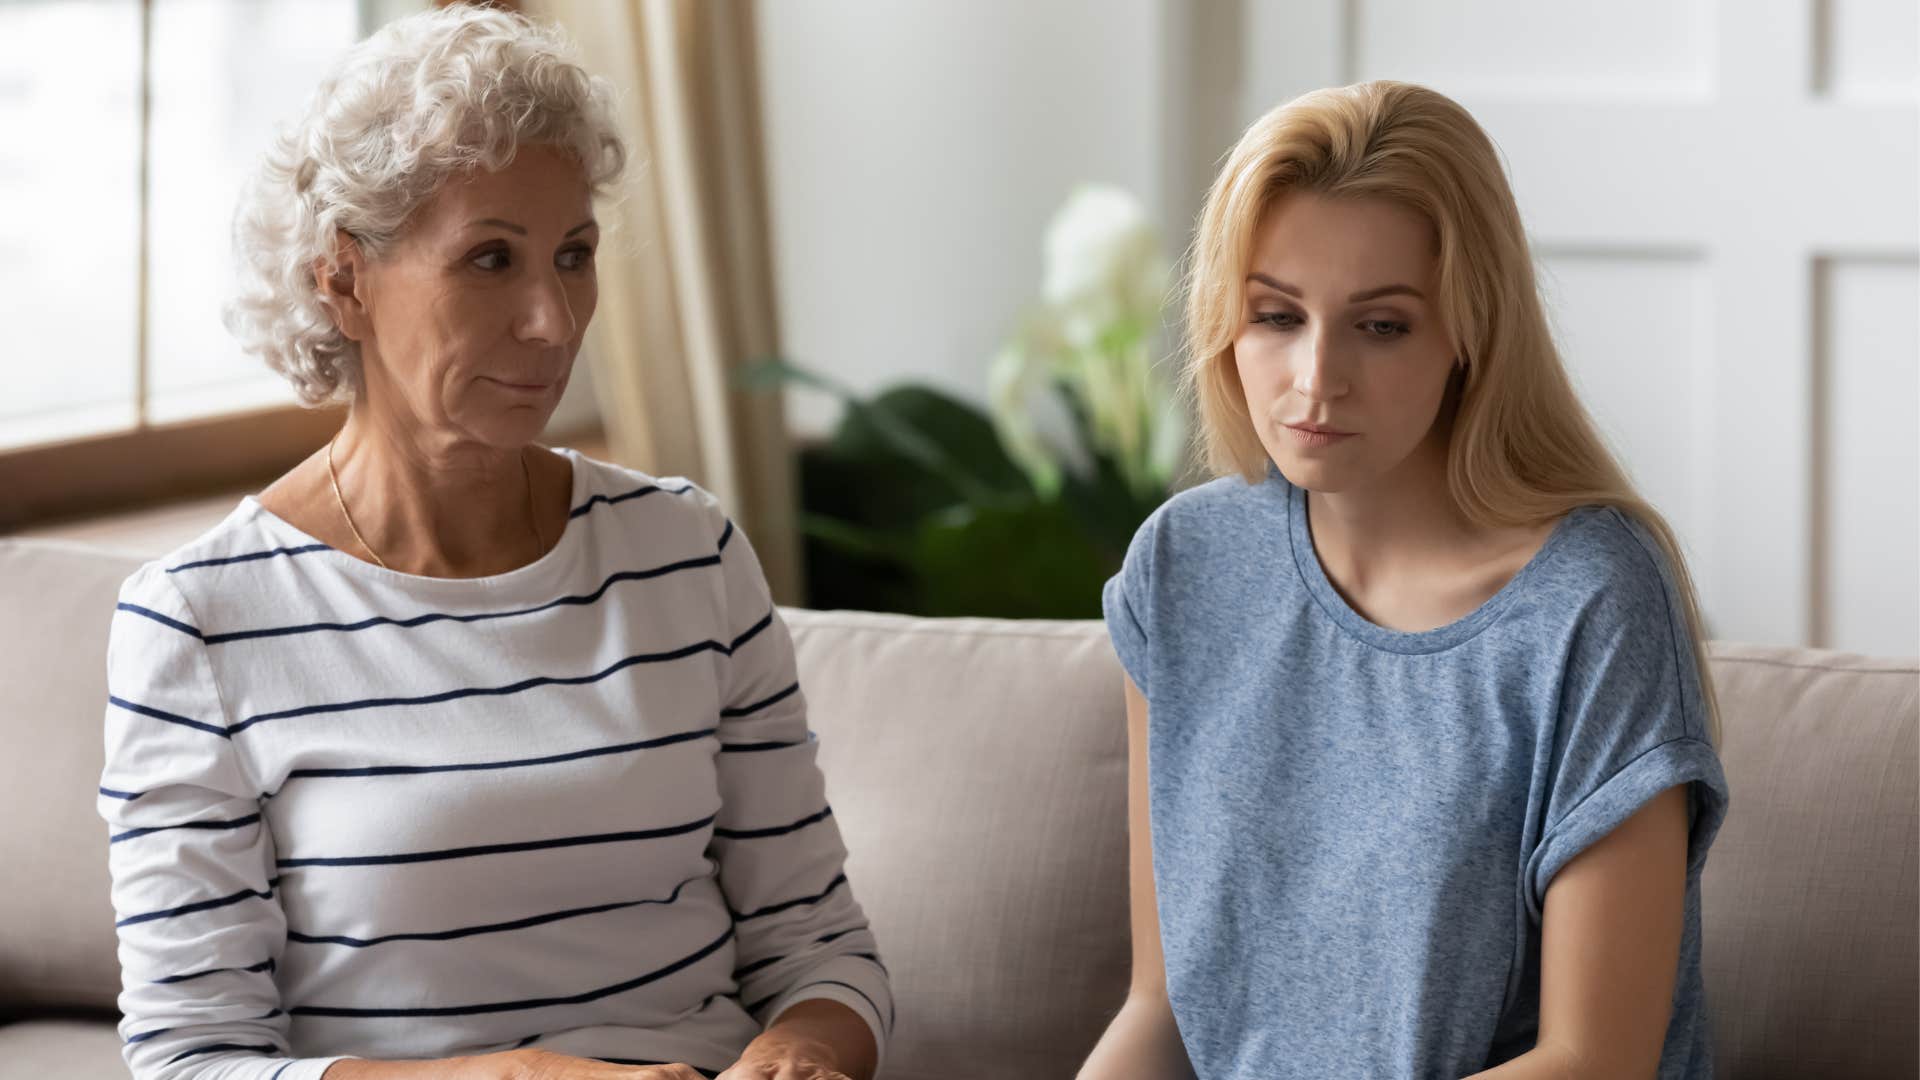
x=194 y=904
x=801 y=933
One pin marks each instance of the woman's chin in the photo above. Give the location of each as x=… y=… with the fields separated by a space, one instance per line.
x=510 y=428
x=1313 y=474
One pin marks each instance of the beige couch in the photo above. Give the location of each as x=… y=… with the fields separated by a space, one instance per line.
x=977 y=768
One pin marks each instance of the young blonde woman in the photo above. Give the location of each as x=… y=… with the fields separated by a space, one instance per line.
x=1421 y=755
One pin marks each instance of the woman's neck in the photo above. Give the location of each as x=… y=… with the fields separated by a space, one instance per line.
x=1402 y=553
x=436 y=505
x=1396 y=525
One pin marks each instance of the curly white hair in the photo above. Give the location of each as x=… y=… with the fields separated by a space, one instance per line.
x=427 y=96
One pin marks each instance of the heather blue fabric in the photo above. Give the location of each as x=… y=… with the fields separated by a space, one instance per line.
x=1354 y=827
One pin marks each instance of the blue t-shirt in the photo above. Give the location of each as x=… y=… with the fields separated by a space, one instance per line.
x=1354 y=827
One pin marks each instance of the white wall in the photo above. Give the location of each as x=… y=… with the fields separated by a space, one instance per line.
x=914 y=152
x=1724 y=200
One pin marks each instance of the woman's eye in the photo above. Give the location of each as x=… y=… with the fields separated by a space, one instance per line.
x=576 y=258
x=1279 y=320
x=490 y=260
x=1385 y=328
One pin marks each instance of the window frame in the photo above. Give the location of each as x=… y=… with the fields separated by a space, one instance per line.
x=157 y=463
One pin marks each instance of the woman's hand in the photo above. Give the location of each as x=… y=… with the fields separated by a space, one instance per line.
x=813 y=1040
x=779 y=1055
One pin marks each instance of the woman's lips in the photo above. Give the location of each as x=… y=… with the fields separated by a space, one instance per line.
x=1314 y=436
x=523 y=388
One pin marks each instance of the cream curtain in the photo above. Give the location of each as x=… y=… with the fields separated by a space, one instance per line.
x=686 y=292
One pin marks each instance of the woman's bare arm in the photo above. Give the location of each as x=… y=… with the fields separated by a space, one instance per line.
x=1142 y=1043
x=1609 y=951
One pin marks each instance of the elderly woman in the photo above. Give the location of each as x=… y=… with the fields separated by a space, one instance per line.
x=450 y=755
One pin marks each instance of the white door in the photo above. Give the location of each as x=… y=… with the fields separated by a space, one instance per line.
x=1724 y=200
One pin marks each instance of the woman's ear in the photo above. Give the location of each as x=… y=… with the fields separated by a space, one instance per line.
x=341 y=286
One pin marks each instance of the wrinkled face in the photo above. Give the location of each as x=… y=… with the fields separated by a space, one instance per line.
x=476 y=311
x=1342 y=353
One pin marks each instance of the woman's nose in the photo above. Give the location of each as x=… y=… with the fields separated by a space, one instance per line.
x=1319 y=376
x=546 y=315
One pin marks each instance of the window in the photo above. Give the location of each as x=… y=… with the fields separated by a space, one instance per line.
x=69 y=217
x=132 y=128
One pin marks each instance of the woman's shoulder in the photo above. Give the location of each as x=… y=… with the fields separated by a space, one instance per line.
x=1604 y=549
x=1608 y=575
x=1225 y=518
x=611 y=495
x=208 y=562
x=1206 y=509
x=1200 y=543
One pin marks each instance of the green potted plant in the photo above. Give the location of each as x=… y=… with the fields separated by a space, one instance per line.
x=923 y=503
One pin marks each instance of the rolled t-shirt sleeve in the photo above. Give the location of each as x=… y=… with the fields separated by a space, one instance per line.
x=1127 y=602
x=1632 y=723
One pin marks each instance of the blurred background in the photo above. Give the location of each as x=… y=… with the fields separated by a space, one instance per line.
x=895 y=278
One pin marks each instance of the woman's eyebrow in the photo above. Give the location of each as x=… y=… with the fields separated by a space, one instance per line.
x=507 y=225
x=1364 y=294
x=520 y=230
x=1386 y=290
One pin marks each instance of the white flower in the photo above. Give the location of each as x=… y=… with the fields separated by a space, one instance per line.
x=1102 y=263
x=1012 y=378
x=1092 y=337
x=1169 y=436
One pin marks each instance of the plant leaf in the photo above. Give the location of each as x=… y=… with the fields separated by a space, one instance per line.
x=1031 y=561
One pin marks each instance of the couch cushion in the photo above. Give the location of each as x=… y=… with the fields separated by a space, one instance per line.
x=978 y=771
x=977 y=768
x=940 y=738
x=56 y=603
x=60 y=1050
x=1811 y=902
x=987 y=820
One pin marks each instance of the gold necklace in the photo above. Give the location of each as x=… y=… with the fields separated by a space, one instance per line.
x=533 y=518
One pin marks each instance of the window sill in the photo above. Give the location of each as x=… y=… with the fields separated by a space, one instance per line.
x=155 y=522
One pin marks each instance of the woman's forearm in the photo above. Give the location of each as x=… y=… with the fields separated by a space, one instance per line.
x=1540 y=1063
x=1142 y=1043
x=483 y=1067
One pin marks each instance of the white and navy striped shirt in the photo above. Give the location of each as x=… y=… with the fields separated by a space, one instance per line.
x=356 y=812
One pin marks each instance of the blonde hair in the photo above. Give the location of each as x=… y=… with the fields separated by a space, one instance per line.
x=1523 y=449
x=427 y=97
